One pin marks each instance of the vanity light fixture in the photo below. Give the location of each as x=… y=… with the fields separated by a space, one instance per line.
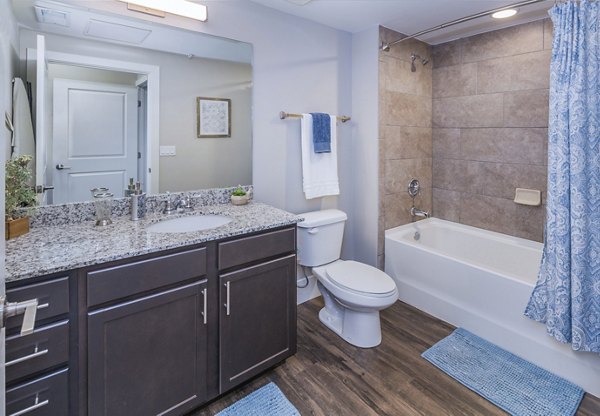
x=179 y=7
x=503 y=14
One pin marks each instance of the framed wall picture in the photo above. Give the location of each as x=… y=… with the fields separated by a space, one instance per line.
x=214 y=117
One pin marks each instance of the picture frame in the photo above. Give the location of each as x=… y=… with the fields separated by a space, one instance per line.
x=213 y=117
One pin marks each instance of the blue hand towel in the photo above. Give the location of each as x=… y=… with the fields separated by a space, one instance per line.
x=321 y=132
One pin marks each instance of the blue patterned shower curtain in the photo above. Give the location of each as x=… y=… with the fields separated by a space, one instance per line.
x=567 y=294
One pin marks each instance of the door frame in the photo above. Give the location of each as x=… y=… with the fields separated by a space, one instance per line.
x=152 y=72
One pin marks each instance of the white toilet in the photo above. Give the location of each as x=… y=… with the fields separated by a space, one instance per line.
x=354 y=292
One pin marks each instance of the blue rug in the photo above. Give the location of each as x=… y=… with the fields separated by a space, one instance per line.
x=511 y=383
x=266 y=401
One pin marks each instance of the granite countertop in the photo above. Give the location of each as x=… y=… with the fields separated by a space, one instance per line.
x=46 y=250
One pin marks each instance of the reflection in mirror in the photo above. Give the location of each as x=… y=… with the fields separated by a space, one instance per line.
x=114 y=111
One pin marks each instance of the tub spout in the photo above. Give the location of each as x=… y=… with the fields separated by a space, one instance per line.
x=415 y=212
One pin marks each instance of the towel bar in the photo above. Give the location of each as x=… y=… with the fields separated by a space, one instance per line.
x=283 y=115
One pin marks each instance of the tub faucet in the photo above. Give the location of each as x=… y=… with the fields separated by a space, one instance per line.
x=415 y=212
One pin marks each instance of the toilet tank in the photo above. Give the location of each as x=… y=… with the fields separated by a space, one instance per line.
x=320 y=237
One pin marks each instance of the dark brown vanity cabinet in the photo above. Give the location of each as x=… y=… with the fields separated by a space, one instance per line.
x=37 y=365
x=161 y=333
x=257 y=321
x=148 y=356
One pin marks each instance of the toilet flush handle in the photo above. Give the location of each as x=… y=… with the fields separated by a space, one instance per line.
x=313 y=230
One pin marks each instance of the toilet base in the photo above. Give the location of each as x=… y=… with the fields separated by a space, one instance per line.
x=361 y=329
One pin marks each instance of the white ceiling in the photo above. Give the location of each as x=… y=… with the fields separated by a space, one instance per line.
x=409 y=16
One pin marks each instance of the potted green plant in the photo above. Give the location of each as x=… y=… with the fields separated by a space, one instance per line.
x=239 y=196
x=19 y=194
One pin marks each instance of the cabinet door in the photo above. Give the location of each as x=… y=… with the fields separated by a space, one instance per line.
x=149 y=356
x=257 y=319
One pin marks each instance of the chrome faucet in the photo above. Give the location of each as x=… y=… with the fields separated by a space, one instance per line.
x=415 y=212
x=185 y=204
x=170 y=207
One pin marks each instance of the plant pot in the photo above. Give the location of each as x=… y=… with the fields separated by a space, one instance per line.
x=239 y=200
x=15 y=228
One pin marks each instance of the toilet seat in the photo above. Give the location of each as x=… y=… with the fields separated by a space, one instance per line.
x=360 y=278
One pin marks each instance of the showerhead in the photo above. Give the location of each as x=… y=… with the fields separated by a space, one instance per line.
x=414 y=57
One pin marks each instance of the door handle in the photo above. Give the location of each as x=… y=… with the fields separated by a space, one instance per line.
x=28 y=308
x=30 y=409
x=31 y=356
x=205 y=310
x=40 y=189
x=60 y=166
x=228 y=290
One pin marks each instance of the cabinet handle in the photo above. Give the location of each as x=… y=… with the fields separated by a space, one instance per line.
x=35 y=406
x=35 y=354
x=227 y=296
x=205 y=311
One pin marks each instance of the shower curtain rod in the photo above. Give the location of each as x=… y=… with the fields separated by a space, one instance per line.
x=386 y=46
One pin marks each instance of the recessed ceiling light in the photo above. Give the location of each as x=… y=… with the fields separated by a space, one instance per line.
x=503 y=14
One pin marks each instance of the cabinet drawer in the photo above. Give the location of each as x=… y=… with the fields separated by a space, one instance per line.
x=129 y=279
x=248 y=249
x=52 y=296
x=47 y=347
x=45 y=396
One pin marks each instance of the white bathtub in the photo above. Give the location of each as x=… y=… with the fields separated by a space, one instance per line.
x=481 y=280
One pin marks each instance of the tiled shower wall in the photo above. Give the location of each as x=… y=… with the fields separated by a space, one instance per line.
x=405 y=146
x=486 y=97
x=490 y=120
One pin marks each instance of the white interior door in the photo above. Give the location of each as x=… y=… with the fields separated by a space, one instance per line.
x=94 y=138
x=40 y=122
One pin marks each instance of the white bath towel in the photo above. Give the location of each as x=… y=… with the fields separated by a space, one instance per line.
x=319 y=170
x=23 y=139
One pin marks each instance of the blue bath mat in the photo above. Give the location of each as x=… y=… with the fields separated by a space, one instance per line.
x=511 y=383
x=266 y=401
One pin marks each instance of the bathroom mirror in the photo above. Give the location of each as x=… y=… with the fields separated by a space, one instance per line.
x=119 y=100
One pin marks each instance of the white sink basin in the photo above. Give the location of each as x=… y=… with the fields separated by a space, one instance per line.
x=189 y=224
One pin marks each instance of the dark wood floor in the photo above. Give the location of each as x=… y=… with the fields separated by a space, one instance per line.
x=331 y=377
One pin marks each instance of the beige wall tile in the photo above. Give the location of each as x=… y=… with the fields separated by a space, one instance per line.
x=455 y=81
x=395 y=75
x=397 y=207
x=406 y=110
x=511 y=145
x=471 y=111
x=526 y=108
x=501 y=179
x=456 y=175
x=403 y=50
x=446 y=143
x=398 y=173
x=529 y=222
x=407 y=142
x=513 y=40
x=446 y=204
x=529 y=71
x=495 y=214
x=446 y=54
x=548 y=34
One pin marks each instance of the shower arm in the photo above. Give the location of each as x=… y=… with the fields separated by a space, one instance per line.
x=386 y=46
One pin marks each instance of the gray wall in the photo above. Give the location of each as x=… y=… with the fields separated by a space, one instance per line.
x=199 y=163
x=490 y=120
x=365 y=110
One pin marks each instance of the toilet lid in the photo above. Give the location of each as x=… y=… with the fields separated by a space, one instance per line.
x=360 y=277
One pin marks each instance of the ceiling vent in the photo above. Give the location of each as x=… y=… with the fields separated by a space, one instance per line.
x=116 y=31
x=51 y=16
